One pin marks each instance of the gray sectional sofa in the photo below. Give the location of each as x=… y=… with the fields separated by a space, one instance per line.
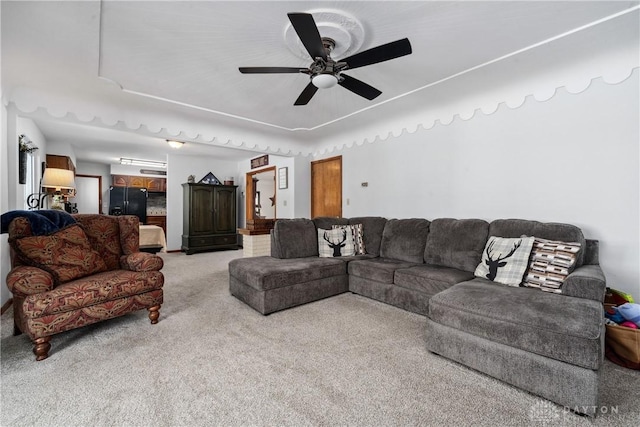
x=549 y=344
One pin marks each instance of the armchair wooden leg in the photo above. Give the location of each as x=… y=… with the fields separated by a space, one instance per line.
x=154 y=313
x=41 y=348
x=16 y=329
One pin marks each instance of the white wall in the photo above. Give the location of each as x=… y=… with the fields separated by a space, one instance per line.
x=573 y=158
x=14 y=195
x=285 y=198
x=300 y=186
x=62 y=148
x=5 y=261
x=178 y=170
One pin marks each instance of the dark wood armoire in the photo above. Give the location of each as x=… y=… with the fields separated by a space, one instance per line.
x=209 y=218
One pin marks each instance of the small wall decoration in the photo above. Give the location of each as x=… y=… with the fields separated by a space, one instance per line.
x=260 y=161
x=25 y=146
x=283 y=178
x=210 y=179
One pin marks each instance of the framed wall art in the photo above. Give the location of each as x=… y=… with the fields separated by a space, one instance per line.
x=283 y=178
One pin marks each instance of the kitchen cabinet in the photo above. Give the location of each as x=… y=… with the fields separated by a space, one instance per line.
x=156 y=184
x=60 y=162
x=209 y=217
x=150 y=183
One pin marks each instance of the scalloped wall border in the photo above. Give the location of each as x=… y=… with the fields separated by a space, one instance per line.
x=441 y=119
x=448 y=119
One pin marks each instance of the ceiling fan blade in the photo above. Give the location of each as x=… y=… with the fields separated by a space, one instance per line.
x=380 y=53
x=271 y=70
x=359 y=87
x=306 y=95
x=307 y=30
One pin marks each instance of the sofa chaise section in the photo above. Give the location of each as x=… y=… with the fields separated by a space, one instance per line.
x=292 y=275
x=271 y=284
x=549 y=344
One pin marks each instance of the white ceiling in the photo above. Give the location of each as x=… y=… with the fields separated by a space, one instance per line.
x=119 y=67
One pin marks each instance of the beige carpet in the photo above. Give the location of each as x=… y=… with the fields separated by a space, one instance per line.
x=211 y=360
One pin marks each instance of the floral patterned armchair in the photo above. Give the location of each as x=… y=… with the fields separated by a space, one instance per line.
x=83 y=273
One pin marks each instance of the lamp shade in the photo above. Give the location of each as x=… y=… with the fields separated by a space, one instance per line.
x=60 y=179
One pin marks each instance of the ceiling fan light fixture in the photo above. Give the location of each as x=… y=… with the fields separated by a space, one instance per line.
x=324 y=80
x=175 y=144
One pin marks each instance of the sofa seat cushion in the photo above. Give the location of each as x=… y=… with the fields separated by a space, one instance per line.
x=430 y=279
x=379 y=269
x=265 y=273
x=560 y=327
x=88 y=291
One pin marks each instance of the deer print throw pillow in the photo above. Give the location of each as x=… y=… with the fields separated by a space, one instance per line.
x=505 y=260
x=335 y=242
x=358 y=236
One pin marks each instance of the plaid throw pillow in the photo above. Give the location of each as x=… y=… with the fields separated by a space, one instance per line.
x=550 y=264
x=335 y=242
x=505 y=260
x=358 y=236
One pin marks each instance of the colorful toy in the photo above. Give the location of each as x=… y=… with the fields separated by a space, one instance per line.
x=612 y=314
x=630 y=312
x=629 y=324
x=616 y=297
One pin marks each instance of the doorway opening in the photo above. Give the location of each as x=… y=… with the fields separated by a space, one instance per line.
x=88 y=198
x=260 y=205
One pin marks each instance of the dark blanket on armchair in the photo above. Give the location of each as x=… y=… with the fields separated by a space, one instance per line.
x=42 y=221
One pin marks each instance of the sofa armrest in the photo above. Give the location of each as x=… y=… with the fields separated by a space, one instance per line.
x=586 y=282
x=26 y=280
x=141 y=261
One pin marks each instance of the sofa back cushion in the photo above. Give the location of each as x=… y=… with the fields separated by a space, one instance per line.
x=103 y=232
x=294 y=238
x=327 y=222
x=456 y=243
x=404 y=239
x=66 y=254
x=548 y=230
x=372 y=228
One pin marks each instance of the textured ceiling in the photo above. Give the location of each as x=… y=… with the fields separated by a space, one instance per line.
x=134 y=61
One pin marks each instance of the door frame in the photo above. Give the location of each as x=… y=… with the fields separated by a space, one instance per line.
x=99 y=188
x=250 y=190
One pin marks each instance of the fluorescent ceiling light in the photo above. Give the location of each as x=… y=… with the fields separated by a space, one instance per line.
x=138 y=162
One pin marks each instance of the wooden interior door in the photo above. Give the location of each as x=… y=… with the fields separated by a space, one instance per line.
x=326 y=187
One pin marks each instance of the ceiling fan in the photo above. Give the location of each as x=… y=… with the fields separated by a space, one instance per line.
x=325 y=72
